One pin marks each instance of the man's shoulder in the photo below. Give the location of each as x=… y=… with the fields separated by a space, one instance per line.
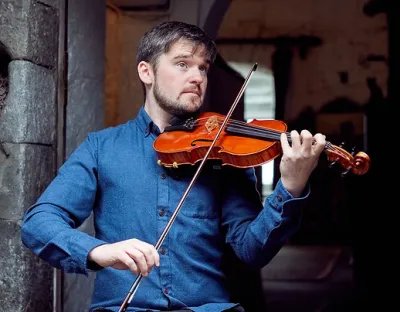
x=114 y=131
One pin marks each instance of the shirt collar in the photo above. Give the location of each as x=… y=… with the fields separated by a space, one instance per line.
x=145 y=123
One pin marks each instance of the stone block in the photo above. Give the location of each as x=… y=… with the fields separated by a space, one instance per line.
x=29 y=113
x=29 y=30
x=84 y=113
x=86 y=36
x=24 y=175
x=25 y=280
x=50 y=3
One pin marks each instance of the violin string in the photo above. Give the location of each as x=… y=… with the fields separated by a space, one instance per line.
x=269 y=133
x=275 y=134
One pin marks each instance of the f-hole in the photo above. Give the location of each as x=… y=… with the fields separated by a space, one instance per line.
x=200 y=140
x=5 y=59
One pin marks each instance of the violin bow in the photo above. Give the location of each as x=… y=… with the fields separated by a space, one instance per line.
x=139 y=278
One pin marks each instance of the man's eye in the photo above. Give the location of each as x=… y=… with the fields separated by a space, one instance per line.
x=182 y=64
x=204 y=69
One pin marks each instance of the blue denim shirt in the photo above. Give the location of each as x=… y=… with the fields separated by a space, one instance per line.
x=115 y=174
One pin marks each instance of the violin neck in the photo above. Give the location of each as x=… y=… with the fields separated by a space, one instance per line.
x=261 y=133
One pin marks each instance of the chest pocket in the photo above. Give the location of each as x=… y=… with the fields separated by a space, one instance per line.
x=203 y=200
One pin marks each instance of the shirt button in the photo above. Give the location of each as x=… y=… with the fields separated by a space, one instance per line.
x=162 y=251
x=163 y=176
x=166 y=291
x=279 y=198
x=161 y=212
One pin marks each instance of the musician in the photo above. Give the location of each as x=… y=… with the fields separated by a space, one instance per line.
x=114 y=174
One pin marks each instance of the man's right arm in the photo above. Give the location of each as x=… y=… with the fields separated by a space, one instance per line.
x=49 y=226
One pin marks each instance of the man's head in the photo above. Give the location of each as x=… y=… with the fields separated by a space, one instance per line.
x=159 y=39
x=173 y=59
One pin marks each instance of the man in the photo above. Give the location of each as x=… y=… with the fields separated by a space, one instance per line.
x=115 y=174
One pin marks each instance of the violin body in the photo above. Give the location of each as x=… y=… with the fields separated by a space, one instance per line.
x=189 y=147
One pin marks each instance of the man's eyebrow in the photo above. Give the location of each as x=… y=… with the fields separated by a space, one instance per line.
x=188 y=56
x=183 y=56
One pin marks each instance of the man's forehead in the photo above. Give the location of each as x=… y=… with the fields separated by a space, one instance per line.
x=187 y=47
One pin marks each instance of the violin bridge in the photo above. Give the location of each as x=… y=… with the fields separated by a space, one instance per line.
x=211 y=124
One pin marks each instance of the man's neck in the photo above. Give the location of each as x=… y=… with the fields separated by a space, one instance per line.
x=160 y=117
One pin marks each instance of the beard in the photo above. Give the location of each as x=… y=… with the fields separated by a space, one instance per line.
x=176 y=107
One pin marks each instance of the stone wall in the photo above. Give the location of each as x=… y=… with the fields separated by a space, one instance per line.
x=29 y=41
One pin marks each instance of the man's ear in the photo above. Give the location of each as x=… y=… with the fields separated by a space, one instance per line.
x=145 y=72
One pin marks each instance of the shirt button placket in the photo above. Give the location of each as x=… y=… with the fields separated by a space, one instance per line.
x=162 y=220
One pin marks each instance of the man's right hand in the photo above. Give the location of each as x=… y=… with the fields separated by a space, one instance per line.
x=131 y=254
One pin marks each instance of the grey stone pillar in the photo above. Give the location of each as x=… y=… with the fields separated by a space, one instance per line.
x=28 y=37
x=85 y=111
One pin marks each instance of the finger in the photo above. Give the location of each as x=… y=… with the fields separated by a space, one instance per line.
x=306 y=138
x=319 y=142
x=140 y=260
x=150 y=253
x=156 y=256
x=129 y=262
x=295 y=137
x=284 y=143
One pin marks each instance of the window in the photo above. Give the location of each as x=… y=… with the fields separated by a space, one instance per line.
x=259 y=103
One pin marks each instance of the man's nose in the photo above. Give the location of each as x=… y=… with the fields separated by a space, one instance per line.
x=196 y=76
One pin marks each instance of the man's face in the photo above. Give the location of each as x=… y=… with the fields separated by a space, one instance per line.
x=181 y=78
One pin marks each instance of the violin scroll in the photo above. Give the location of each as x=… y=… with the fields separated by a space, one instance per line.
x=356 y=163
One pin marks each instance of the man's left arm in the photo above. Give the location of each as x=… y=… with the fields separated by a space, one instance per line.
x=257 y=231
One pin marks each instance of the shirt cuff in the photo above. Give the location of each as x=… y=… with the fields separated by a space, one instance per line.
x=82 y=249
x=284 y=203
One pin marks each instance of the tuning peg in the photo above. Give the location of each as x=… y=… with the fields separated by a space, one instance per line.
x=345 y=172
x=333 y=163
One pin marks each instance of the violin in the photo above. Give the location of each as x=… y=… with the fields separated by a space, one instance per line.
x=240 y=144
